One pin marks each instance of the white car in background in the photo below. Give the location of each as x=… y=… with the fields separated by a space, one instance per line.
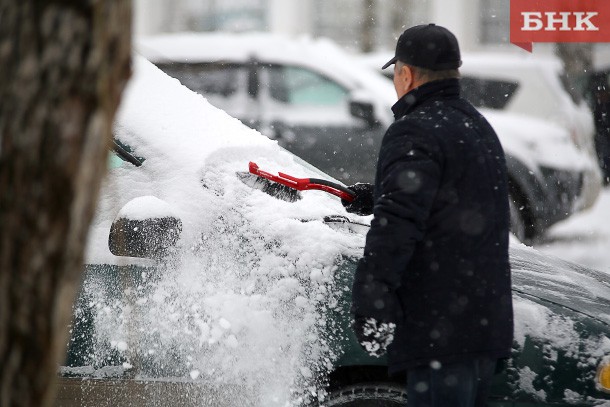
x=539 y=88
x=321 y=104
x=531 y=86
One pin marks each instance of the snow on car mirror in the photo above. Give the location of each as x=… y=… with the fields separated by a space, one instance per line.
x=145 y=227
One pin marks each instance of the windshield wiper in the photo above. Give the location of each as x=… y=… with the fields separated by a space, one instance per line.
x=125 y=155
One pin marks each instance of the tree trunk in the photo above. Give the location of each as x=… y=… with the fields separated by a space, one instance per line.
x=63 y=66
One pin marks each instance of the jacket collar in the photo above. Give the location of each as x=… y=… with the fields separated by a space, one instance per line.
x=446 y=88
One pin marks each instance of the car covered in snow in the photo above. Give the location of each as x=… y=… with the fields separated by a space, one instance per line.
x=319 y=103
x=204 y=285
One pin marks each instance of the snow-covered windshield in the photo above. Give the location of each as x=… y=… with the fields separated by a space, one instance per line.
x=244 y=300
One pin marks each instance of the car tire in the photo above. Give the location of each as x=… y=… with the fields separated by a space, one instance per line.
x=368 y=395
x=517 y=224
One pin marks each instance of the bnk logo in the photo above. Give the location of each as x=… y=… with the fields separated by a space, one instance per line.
x=559 y=21
x=562 y=21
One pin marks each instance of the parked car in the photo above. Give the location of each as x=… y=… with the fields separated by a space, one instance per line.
x=532 y=86
x=537 y=87
x=201 y=289
x=546 y=172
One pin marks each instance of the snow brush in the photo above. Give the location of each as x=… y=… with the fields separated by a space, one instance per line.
x=287 y=187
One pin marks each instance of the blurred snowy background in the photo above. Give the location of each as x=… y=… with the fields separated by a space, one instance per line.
x=358 y=25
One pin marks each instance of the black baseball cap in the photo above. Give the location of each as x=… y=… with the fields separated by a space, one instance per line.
x=427 y=46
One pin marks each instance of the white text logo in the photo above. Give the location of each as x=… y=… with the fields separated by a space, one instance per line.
x=559 y=21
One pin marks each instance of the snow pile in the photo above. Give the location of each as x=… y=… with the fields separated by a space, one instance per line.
x=243 y=302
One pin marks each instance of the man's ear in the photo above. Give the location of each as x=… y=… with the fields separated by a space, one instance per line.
x=409 y=78
x=405 y=83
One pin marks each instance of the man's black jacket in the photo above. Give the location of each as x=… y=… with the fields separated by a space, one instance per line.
x=436 y=256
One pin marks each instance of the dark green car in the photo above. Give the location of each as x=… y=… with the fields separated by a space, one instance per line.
x=560 y=346
x=207 y=287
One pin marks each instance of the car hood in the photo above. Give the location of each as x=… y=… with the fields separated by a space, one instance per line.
x=561 y=282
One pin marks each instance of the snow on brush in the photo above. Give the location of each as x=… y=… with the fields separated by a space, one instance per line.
x=242 y=303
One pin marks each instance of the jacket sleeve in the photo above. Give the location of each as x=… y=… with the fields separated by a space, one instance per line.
x=409 y=172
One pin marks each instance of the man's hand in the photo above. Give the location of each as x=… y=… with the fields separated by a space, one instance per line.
x=363 y=199
x=374 y=336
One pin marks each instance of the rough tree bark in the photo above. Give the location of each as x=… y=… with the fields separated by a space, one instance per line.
x=63 y=66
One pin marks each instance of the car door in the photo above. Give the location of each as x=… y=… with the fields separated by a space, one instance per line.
x=309 y=115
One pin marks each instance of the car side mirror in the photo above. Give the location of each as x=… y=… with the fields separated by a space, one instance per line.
x=363 y=110
x=145 y=227
x=362 y=106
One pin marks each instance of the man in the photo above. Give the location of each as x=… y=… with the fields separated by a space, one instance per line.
x=435 y=275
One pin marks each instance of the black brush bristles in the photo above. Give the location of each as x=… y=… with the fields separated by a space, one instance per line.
x=274 y=189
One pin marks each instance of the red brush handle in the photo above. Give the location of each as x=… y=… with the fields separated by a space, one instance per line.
x=302 y=184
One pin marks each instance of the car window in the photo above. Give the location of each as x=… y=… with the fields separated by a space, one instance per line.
x=207 y=78
x=488 y=93
x=300 y=86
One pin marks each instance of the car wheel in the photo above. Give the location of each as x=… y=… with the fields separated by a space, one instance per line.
x=517 y=225
x=368 y=395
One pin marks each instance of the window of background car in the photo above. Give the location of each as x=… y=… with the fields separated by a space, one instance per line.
x=488 y=93
x=300 y=86
x=221 y=83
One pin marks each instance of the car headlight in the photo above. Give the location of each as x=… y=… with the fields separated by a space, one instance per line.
x=602 y=379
